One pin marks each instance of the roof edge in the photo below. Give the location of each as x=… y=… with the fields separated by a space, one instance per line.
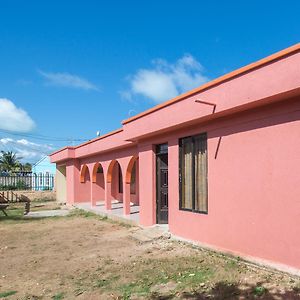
x=100 y=137
x=219 y=80
x=61 y=149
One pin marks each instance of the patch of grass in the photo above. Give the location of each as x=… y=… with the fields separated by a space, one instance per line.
x=87 y=214
x=259 y=290
x=163 y=272
x=14 y=213
x=58 y=296
x=43 y=199
x=7 y=294
x=106 y=282
x=231 y=264
x=138 y=288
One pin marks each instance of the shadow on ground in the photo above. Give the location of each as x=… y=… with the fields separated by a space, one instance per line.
x=225 y=290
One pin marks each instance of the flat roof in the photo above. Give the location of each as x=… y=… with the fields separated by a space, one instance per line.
x=278 y=55
x=218 y=81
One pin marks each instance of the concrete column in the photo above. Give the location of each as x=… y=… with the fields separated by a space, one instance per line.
x=173 y=182
x=61 y=184
x=73 y=181
x=108 y=195
x=93 y=198
x=147 y=190
x=126 y=197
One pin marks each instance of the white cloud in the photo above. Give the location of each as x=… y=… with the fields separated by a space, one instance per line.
x=165 y=80
x=29 y=151
x=14 y=118
x=67 y=80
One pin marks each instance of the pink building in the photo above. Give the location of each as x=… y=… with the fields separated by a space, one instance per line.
x=219 y=164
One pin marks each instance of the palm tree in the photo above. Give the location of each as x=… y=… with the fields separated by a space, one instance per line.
x=9 y=161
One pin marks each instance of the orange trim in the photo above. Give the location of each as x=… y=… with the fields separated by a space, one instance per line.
x=219 y=80
x=95 y=169
x=82 y=173
x=129 y=168
x=110 y=170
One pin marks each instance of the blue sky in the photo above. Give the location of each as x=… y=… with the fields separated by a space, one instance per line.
x=71 y=68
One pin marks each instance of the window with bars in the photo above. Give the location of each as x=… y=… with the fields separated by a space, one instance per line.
x=193 y=190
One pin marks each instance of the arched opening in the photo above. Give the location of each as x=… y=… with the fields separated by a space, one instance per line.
x=84 y=194
x=98 y=183
x=84 y=174
x=115 y=178
x=132 y=178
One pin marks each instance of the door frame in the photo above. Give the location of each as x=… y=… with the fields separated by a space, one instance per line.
x=160 y=150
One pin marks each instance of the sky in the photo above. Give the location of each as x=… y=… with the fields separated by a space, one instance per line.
x=71 y=68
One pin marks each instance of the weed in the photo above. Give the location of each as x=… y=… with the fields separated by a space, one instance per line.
x=58 y=296
x=231 y=264
x=106 y=282
x=7 y=294
x=259 y=290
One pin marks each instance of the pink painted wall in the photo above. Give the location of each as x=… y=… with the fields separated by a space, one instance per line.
x=253 y=186
x=84 y=189
x=99 y=188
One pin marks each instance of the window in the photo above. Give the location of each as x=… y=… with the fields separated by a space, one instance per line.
x=193 y=173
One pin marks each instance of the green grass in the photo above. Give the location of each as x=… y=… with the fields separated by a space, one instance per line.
x=7 y=294
x=106 y=282
x=58 y=296
x=87 y=214
x=259 y=291
x=161 y=272
x=43 y=199
x=182 y=281
x=14 y=213
x=231 y=264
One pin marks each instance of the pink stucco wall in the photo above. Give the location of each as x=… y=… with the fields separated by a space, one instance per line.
x=253 y=163
x=253 y=187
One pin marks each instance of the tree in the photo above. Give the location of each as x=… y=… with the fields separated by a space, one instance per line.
x=9 y=161
x=27 y=167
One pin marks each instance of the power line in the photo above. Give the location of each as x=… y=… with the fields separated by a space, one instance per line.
x=42 y=137
x=26 y=147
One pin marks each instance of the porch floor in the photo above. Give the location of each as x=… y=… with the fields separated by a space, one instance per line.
x=116 y=211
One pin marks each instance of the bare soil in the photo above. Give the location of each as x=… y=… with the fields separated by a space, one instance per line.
x=83 y=256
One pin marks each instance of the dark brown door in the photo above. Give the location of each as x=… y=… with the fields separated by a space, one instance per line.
x=162 y=183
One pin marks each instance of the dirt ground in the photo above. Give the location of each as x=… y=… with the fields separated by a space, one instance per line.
x=83 y=256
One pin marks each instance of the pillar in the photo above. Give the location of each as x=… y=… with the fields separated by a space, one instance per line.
x=147 y=190
x=108 y=195
x=126 y=197
x=73 y=180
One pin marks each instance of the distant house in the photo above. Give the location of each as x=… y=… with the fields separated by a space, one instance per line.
x=43 y=174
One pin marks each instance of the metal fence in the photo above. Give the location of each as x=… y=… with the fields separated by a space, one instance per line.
x=39 y=182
